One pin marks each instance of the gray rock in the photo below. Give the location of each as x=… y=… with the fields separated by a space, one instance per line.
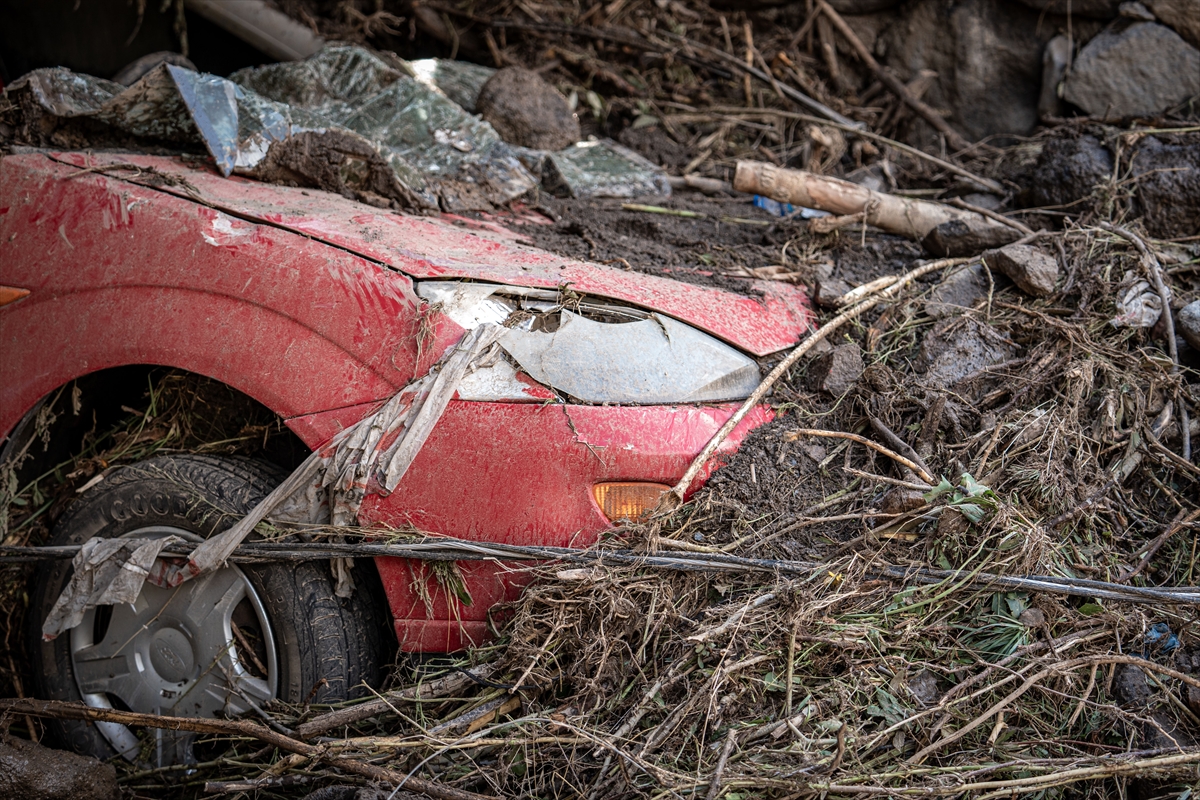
x=829 y=292
x=959 y=347
x=1130 y=687
x=1056 y=59
x=1132 y=9
x=1181 y=15
x=838 y=370
x=958 y=292
x=1032 y=618
x=958 y=237
x=1187 y=322
x=988 y=57
x=1031 y=269
x=924 y=688
x=1135 y=70
x=32 y=772
x=527 y=111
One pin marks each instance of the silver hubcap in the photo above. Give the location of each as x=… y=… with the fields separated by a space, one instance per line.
x=203 y=649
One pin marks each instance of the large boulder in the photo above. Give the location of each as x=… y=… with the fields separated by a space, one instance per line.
x=1133 y=70
x=987 y=54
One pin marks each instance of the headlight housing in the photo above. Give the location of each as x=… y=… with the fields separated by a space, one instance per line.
x=595 y=352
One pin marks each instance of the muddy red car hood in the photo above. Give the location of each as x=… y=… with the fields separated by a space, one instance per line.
x=771 y=319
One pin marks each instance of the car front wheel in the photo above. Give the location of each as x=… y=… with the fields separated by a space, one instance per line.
x=224 y=644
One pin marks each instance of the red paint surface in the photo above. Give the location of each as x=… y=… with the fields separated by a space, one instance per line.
x=428 y=247
x=525 y=479
x=123 y=274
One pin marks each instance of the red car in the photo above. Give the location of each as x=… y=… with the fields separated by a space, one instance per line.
x=320 y=308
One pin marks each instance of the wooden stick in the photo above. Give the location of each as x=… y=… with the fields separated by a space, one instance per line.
x=906 y=216
x=987 y=212
x=55 y=709
x=917 y=469
x=674 y=497
x=714 y=788
x=935 y=119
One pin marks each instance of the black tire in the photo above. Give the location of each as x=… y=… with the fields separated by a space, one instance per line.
x=328 y=649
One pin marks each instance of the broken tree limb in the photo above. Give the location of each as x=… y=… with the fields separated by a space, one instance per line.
x=55 y=709
x=953 y=137
x=902 y=215
x=674 y=497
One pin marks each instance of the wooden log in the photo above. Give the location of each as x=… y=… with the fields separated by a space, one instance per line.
x=901 y=215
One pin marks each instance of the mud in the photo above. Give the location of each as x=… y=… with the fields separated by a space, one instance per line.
x=337 y=162
x=527 y=111
x=720 y=248
x=1067 y=171
x=33 y=772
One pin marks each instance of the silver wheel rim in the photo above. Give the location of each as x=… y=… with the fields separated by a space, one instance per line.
x=175 y=652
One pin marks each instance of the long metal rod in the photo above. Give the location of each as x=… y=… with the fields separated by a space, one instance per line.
x=446 y=549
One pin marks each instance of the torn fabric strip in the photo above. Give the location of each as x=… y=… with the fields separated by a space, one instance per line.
x=370 y=456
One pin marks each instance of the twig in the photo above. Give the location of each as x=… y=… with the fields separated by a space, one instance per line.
x=674 y=212
x=901 y=445
x=257 y=784
x=887 y=79
x=675 y=495
x=987 y=212
x=714 y=788
x=55 y=709
x=792 y=436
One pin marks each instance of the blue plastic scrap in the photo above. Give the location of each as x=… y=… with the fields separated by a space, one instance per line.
x=1160 y=638
x=778 y=209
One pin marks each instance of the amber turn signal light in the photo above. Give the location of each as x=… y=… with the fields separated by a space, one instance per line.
x=628 y=501
x=11 y=294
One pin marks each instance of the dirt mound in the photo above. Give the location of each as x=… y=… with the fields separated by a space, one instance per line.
x=527 y=111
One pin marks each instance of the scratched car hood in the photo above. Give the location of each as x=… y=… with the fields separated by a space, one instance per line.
x=771 y=318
